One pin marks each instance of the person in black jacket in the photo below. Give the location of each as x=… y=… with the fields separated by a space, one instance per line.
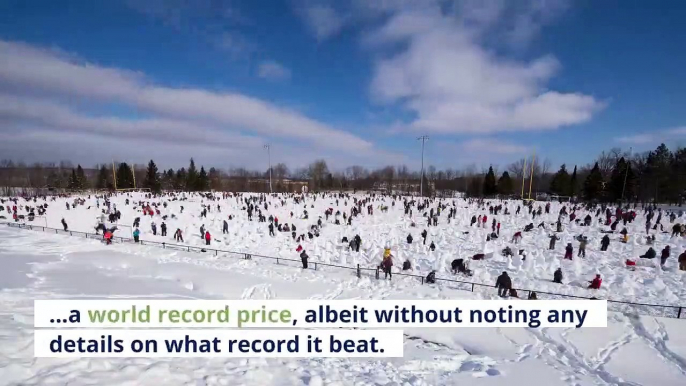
x=431 y=277
x=557 y=276
x=504 y=284
x=665 y=255
x=604 y=243
x=409 y=239
x=64 y=224
x=304 y=257
x=650 y=254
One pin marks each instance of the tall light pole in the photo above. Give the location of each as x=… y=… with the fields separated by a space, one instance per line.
x=626 y=173
x=269 y=156
x=423 y=138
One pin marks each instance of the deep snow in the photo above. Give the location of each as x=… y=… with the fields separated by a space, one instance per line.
x=632 y=350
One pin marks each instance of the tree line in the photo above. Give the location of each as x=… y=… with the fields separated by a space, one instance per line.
x=615 y=175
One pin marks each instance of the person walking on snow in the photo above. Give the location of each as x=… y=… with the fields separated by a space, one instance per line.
x=569 y=251
x=178 y=236
x=582 y=247
x=303 y=258
x=225 y=229
x=387 y=264
x=208 y=238
x=136 y=235
x=64 y=225
x=553 y=239
x=163 y=228
x=664 y=255
x=604 y=243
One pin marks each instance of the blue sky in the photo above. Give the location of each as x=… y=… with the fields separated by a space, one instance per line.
x=353 y=82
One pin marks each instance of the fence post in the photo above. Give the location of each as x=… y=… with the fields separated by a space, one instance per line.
x=422 y=279
x=277 y=260
x=164 y=246
x=472 y=287
x=215 y=252
x=315 y=265
x=70 y=233
x=55 y=231
x=678 y=316
x=377 y=273
x=189 y=249
x=358 y=271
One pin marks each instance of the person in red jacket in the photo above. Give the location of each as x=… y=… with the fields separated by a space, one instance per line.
x=595 y=283
x=208 y=238
x=108 y=237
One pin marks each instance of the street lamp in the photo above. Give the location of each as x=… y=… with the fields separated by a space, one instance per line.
x=269 y=156
x=626 y=173
x=423 y=138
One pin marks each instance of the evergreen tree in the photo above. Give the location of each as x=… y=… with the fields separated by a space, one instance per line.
x=181 y=179
x=215 y=179
x=73 y=182
x=593 y=186
x=192 y=177
x=82 y=181
x=168 y=179
x=622 y=181
x=203 y=181
x=560 y=183
x=104 y=180
x=152 y=178
x=490 y=187
x=573 y=184
x=124 y=176
x=505 y=185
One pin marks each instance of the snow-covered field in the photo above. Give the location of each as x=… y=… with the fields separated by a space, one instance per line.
x=633 y=349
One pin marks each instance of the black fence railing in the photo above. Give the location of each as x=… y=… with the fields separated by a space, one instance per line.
x=660 y=310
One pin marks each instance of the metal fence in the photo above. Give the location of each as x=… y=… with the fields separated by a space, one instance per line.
x=660 y=310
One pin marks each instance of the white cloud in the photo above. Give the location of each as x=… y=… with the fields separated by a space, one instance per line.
x=323 y=20
x=654 y=137
x=452 y=84
x=273 y=71
x=36 y=70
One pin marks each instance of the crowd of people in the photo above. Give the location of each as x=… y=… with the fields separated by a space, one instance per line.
x=343 y=210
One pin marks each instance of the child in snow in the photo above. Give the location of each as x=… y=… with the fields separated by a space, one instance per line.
x=596 y=282
x=569 y=251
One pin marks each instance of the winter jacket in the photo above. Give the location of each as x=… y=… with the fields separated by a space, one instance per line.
x=595 y=283
x=504 y=281
x=557 y=276
x=650 y=254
